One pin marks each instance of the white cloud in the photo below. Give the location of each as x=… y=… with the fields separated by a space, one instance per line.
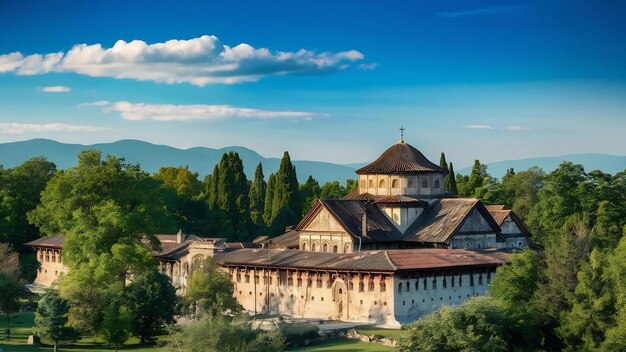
x=55 y=89
x=199 y=61
x=517 y=128
x=94 y=103
x=20 y=128
x=481 y=11
x=195 y=112
x=479 y=127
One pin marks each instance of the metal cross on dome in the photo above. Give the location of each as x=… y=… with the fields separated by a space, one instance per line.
x=402 y=129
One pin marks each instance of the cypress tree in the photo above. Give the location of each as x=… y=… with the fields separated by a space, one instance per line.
x=285 y=202
x=257 y=196
x=451 y=180
x=444 y=165
x=211 y=187
x=269 y=197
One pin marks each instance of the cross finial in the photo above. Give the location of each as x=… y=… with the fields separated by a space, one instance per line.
x=402 y=129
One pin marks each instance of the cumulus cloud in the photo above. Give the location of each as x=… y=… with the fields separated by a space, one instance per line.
x=517 y=128
x=198 y=61
x=94 y=103
x=55 y=89
x=195 y=112
x=479 y=127
x=20 y=128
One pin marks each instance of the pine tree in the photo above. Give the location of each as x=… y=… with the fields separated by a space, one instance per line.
x=257 y=197
x=444 y=165
x=451 y=180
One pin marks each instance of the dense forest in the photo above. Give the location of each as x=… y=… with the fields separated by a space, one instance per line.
x=567 y=293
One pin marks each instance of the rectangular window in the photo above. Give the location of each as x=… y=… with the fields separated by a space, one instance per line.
x=371 y=286
x=445 y=283
x=319 y=283
x=434 y=283
x=361 y=286
x=480 y=280
x=238 y=277
x=408 y=286
x=256 y=279
x=290 y=281
x=299 y=282
x=383 y=286
x=425 y=284
x=471 y=279
x=247 y=278
x=452 y=281
x=309 y=283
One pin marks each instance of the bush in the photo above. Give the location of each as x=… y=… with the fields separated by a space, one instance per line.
x=296 y=335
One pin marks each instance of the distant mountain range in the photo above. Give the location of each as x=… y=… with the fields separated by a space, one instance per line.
x=202 y=159
x=604 y=162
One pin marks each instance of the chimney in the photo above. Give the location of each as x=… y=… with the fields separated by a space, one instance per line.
x=180 y=237
x=364 y=224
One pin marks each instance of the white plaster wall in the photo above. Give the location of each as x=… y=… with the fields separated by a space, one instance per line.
x=317 y=302
x=408 y=184
x=411 y=305
x=401 y=217
x=49 y=271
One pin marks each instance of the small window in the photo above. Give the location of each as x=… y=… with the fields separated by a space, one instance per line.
x=361 y=286
x=304 y=247
x=452 y=282
x=408 y=287
x=325 y=248
x=309 y=283
x=247 y=278
x=434 y=283
x=400 y=287
x=460 y=281
x=335 y=248
x=370 y=286
x=318 y=283
x=471 y=279
x=445 y=283
x=436 y=183
x=424 y=183
x=396 y=218
x=410 y=183
x=381 y=184
x=383 y=286
x=362 y=183
x=314 y=247
x=370 y=184
x=417 y=284
x=346 y=248
x=395 y=183
x=480 y=280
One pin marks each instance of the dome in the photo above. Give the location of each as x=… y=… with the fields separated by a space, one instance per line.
x=401 y=158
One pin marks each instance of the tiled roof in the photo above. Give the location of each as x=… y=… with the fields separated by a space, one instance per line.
x=378 y=261
x=401 y=158
x=401 y=200
x=491 y=207
x=55 y=242
x=443 y=218
x=499 y=215
x=289 y=240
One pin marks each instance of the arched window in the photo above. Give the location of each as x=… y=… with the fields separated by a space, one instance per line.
x=335 y=248
x=370 y=184
x=436 y=183
x=424 y=183
x=346 y=248
x=479 y=245
x=325 y=247
x=395 y=183
x=314 y=247
x=381 y=184
x=304 y=246
x=396 y=218
x=410 y=183
x=400 y=287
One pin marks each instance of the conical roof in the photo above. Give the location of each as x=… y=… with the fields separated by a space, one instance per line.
x=401 y=158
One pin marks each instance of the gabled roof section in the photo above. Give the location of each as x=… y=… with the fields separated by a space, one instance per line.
x=500 y=214
x=444 y=217
x=349 y=215
x=401 y=158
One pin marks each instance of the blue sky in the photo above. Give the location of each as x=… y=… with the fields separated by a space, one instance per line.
x=326 y=80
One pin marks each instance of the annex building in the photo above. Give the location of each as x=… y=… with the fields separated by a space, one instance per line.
x=393 y=250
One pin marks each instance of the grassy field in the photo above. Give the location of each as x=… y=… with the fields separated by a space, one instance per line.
x=346 y=345
x=378 y=332
x=21 y=328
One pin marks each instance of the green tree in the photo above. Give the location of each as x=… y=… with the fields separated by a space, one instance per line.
x=258 y=191
x=116 y=324
x=286 y=206
x=333 y=190
x=310 y=192
x=210 y=289
x=479 y=324
x=190 y=209
x=103 y=208
x=51 y=319
x=615 y=336
x=522 y=189
x=218 y=333
x=9 y=294
x=592 y=312
x=269 y=198
x=444 y=165
x=515 y=284
x=451 y=180
x=151 y=301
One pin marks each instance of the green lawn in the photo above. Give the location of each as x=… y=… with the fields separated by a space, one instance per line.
x=379 y=332
x=346 y=345
x=21 y=328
